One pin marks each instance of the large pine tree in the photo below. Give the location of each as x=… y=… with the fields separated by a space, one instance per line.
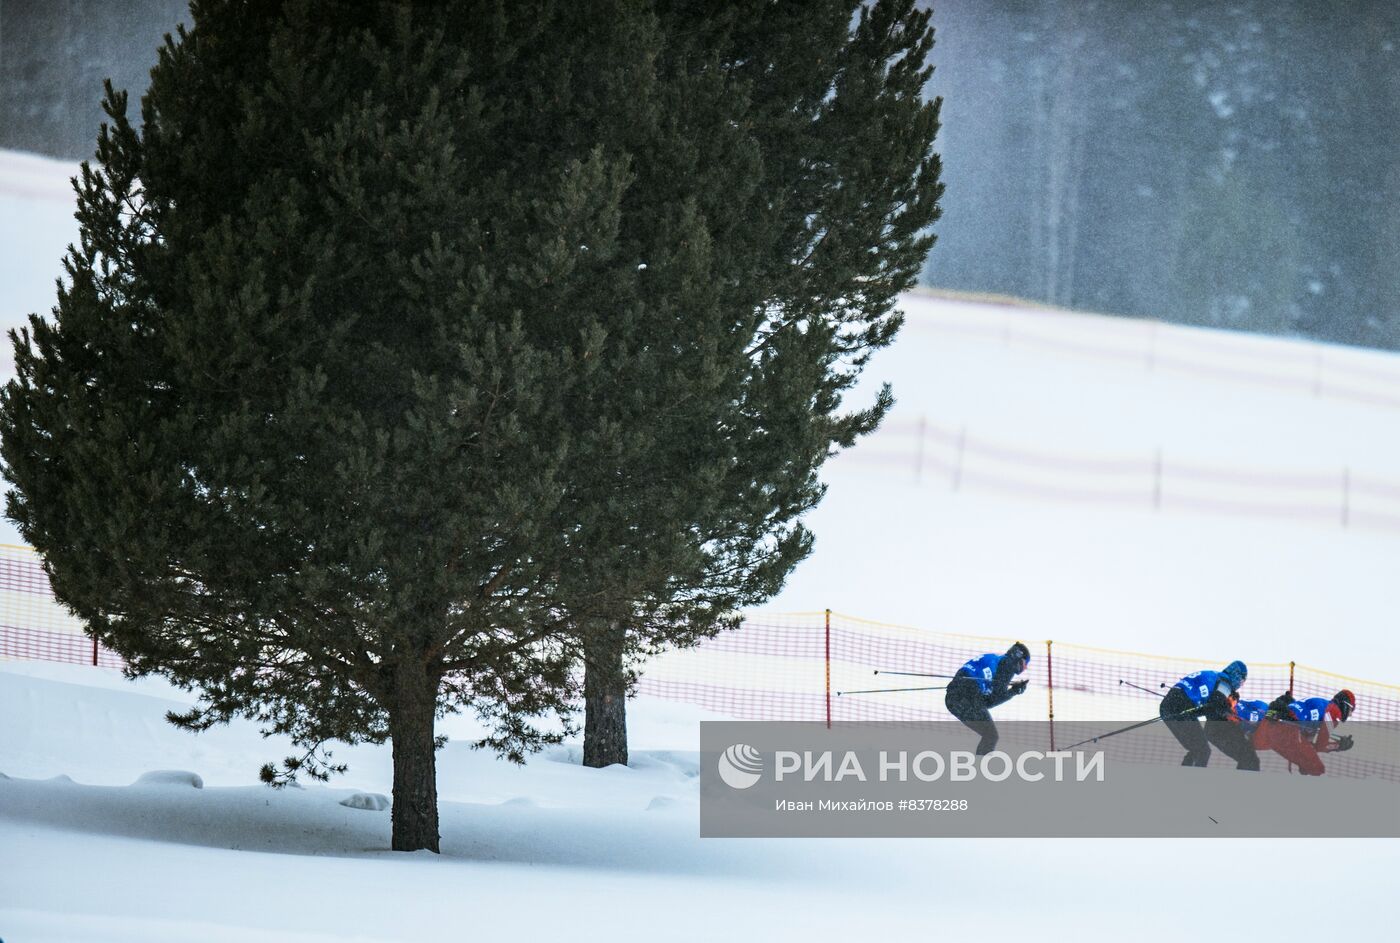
x=406 y=341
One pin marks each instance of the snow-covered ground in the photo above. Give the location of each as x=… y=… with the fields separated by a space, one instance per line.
x=1055 y=541
x=92 y=851
x=89 y=850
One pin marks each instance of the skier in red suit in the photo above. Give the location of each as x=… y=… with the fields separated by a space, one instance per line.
x=1298 y=732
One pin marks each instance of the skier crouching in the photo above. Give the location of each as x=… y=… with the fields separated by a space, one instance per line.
x=1209 y=694
x=1250 y=714
x=983 y=683
x=1297 y=730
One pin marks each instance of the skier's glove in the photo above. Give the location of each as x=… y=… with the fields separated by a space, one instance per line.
x=1342 y=743
x=1217 y=708
x=1278 y=707
x=1017 y=687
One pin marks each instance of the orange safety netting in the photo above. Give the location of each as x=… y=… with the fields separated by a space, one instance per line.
x=33 y=625
x=822 y=667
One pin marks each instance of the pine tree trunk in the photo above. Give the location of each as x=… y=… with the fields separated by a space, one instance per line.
x=604 y=696
x=411 y=718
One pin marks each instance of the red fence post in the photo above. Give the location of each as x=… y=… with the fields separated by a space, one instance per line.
x=828 y=669
x=1291 y=665
x=94 y=651
x=1050 y=689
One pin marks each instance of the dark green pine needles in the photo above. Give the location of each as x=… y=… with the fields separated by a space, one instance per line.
x=407 y=346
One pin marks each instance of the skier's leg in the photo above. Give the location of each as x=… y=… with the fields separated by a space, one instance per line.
x=965 y=702
x=1290 y=744
x=1231 y=740
x=1265 y=735
x=1188 y=733
x=1187 y=730
x=988 y=729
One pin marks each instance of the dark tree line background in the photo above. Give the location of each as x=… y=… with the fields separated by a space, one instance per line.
x=1223 y=163
x=54 y=55
x=1231 y=164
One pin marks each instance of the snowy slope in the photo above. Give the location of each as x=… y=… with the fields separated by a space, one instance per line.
x=544 y=852
x=1060 y=552
x=553 y=850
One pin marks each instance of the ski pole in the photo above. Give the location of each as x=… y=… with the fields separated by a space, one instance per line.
x=1140 y=687
x=912 y=674
x=889 y=690
x=1144 y=723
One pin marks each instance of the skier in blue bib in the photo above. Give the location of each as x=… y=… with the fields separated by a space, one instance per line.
x=1209 y=695
x=1249 y=714
x=983 y=683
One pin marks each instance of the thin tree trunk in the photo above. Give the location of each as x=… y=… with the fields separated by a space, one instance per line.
x=411 y=719
x=604 y=695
